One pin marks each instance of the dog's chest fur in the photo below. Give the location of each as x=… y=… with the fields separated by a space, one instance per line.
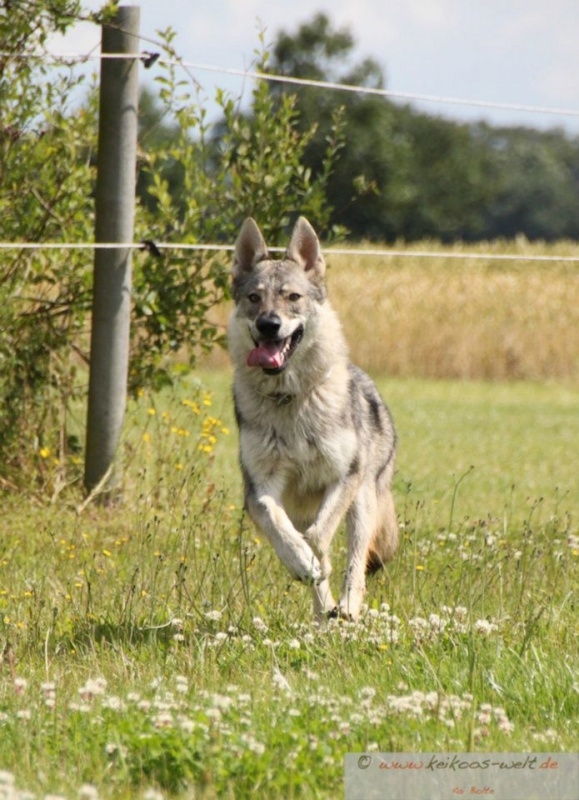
x=298 y=438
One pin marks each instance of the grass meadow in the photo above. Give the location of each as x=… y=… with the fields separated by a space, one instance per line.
x=157 y=649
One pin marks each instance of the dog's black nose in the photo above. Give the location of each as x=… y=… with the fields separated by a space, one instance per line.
x=268 y=325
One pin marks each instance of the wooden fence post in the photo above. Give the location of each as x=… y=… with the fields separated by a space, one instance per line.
x=115 y=206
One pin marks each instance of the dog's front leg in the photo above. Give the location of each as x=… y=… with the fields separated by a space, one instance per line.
x=266 y=510
x=337 y=499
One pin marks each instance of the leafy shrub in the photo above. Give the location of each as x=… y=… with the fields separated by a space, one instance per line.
x=47 y=176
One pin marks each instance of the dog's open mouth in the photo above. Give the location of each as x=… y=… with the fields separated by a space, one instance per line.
x=272 y=355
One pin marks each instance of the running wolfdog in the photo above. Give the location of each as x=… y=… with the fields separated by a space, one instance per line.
x=316 y=441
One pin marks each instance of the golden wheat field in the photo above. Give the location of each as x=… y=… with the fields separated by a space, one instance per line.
x=453 y=317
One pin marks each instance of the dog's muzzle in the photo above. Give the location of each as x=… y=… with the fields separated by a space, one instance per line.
x=272 y=354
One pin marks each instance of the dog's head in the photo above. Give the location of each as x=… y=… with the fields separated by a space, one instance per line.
x=276 y=301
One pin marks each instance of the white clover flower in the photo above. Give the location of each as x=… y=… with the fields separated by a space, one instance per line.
x=94 y=687
x=88 y=792
x=114 y=703
x=549 y=735
x=253 y=745
x=436 y=622
x=214 y=615
x=221 y=701
x=6 y=778
x=187 y=725
x=506 y=725
x=259 y=625
x=81 y=708
x=153 y=794
x=432 y=699
x=484 y=627
x=163 y=720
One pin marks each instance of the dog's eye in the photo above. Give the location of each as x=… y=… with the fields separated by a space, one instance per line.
x=253 y=297
x=294 y=297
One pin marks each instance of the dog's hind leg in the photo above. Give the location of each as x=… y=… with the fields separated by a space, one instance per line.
x=384 y=543
x=361 y=524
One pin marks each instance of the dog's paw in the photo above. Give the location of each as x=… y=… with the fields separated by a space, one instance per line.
x=311 y=576
x=303 y=565
x=350 y=605
x=341 y=614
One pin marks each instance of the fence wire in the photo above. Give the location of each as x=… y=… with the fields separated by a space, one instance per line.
x=149 y=58
x=156 y=248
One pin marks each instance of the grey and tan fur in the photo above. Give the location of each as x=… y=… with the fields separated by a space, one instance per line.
x=316 y=441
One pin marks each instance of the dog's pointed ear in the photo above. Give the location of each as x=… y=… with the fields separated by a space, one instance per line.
x=304 y=249
x=250 y=247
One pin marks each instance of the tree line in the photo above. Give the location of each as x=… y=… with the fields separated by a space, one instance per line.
x=410 y=175
x=399 y=173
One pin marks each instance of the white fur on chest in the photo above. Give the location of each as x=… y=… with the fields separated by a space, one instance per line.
x=299 y=446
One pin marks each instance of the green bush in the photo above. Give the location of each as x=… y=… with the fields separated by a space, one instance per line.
x=47 y=177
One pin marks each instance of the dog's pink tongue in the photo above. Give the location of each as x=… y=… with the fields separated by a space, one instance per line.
x=266 y=355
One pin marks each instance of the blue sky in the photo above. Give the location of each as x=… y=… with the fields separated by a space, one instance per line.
x=507 y=51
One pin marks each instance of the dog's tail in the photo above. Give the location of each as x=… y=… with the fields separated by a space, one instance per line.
x=384 y=542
